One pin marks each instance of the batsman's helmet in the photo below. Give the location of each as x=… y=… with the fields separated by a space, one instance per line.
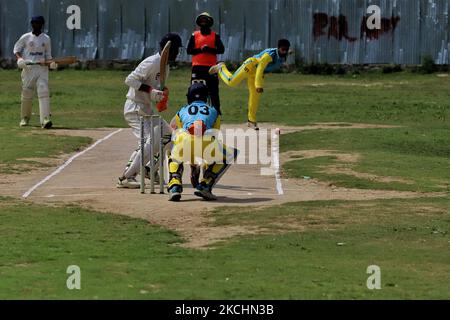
x=172 y=37
x=198 y=92
x=207 y=16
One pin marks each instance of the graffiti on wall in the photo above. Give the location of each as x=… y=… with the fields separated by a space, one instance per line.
x=338 y=27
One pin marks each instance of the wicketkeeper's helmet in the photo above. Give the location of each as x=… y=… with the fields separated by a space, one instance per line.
x=198 y=92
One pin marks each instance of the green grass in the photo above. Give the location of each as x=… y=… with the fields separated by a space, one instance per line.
x=21 y=150
x=124 y=258
x=90 y=99
x=418 y=155
x=297 y=255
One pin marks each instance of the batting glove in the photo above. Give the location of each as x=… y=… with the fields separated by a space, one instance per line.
x=53 y=66
x=157 y=95
x=163 y=105
x=21 y=63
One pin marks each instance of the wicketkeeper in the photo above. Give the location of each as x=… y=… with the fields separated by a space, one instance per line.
x=142 y=99
x=194 y=139
x=31 y=51
x=254 y=70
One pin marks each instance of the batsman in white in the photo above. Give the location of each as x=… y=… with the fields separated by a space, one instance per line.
x=143 y=98
x=31 y=51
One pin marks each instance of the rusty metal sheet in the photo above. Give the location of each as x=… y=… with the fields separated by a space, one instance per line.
x=322 y=31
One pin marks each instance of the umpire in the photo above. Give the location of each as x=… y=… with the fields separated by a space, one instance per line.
x=204 y=45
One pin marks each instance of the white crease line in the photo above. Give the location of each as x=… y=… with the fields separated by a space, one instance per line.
x=276 y=163
x=67 y=163
x=185 y=195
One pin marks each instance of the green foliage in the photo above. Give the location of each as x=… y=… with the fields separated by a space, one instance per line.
x=428 y=65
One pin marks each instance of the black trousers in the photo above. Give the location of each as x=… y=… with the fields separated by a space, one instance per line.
x=212 y=81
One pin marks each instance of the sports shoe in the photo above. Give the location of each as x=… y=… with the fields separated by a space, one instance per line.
x=25 y=122
x=204 y=192
x=129 y=183
x=175 y=193
x=47 y=124
x=215 y=69
x=195 y=176
x=253 y=125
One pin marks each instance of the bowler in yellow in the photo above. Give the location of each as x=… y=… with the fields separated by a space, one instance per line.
x=254 y=70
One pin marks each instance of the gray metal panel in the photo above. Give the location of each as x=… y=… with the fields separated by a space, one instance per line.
x=232 y=29
x=182 y=21
x=324 y=47
x=407 y=34
x=16 y=16
x=157 y=24
x=352 y=51
x=110 y=24
x=81 y=43
x=305 y=38
x=379 y=45
x=133 y=29
x=434 y=30
x=3 y=30
x=320 y=30
x=256 y=26
x=122 y=29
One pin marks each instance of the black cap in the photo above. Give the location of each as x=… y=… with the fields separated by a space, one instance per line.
x=198 y=92
x=38 y=19
x=284 y=43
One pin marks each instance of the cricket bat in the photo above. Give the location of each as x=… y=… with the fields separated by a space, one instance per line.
x=164 y=62
x=61 y=61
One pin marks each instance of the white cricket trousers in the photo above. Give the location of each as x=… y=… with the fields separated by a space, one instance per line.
x=35 y=77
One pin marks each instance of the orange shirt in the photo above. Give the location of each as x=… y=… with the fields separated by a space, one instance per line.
x=204 y=59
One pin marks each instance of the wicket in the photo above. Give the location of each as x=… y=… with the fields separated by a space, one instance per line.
x=152 y=154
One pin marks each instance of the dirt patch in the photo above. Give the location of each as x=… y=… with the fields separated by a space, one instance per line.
x=324 y=126
x=90 y=181
x=311 y=154
x=345 y=159
x=359 y=84
x=339 y=169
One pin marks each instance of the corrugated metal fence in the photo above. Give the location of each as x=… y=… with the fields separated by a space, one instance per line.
x=330 y=31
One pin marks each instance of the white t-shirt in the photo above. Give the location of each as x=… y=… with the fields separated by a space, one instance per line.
x=34 y=48
x=148 y=72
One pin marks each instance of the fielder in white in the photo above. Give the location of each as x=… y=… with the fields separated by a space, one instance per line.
x=144 y=98
x=31 y=51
